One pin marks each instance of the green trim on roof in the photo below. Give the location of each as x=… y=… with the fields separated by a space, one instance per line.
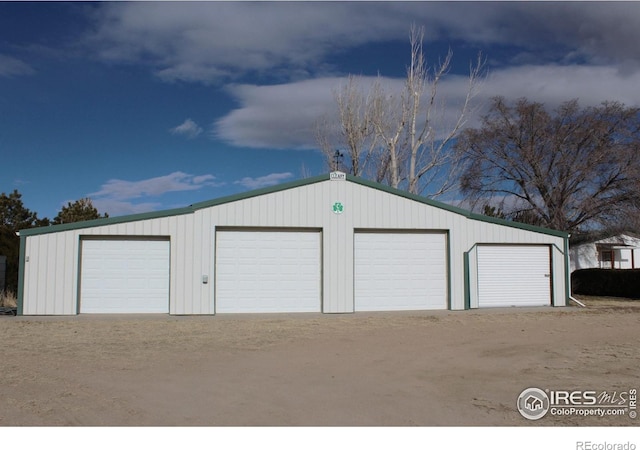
x=567 y=273
x=21 y=261
x=405 y=194
x=456 y=210
x=171 y=212
x=261 y=191
x=467 y=280
x=522 y=226
x=282 y=187
x=107 y=221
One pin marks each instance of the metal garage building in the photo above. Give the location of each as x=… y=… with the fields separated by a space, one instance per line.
x=332 y=244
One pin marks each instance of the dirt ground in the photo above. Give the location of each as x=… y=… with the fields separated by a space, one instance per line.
x=416 y=368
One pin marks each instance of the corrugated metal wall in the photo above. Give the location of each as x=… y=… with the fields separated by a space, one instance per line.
x=52 y=260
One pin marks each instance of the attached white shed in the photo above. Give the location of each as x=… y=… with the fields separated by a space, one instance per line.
x=331 y=244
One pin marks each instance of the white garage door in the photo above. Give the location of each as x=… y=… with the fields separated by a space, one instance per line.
x=124 y=276
x=268 y=271
x=400 y=271
x=517 y=275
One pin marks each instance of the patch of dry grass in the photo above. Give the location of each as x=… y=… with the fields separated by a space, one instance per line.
x=608 y=302
x=8 y=299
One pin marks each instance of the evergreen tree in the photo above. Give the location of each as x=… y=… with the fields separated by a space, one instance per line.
x=13 y=218
x=78 y=211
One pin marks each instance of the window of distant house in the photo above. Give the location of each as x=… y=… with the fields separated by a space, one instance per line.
x=607 y=258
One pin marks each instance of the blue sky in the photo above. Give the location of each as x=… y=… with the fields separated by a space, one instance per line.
x=155 y=105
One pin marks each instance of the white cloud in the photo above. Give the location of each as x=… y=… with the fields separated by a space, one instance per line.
x=213 y=41
x=280 y=116
x=264 y=181
x=553 y=84
x=563 y=50
x=115 y=189
x=207 y=41
x=10 y=66
x=206 y=180
x=188 y=128
x=284 y=116
x=118 y=197
x=121 y=208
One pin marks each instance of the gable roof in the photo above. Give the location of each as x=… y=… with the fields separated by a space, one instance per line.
x=600 y=236
x=282 y=187
x=617 y=240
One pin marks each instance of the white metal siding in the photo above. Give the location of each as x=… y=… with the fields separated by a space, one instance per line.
x=400 y=271
x=52 y=266
x=267 y=271
x=516 y=275
x=50 y=274
x=124 y=276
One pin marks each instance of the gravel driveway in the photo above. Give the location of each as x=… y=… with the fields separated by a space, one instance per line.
x=414 y=368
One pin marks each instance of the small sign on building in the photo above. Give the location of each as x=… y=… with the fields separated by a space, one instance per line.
x=338 y=176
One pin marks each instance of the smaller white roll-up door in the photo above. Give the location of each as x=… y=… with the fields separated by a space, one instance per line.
x=400 y=271
x=124 y=276
x=268 y=271
x=514 y=275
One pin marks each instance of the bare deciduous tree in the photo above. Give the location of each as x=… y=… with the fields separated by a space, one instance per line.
x=353 y=130
x=403 y=138
x=572 y=169
x=431 y=166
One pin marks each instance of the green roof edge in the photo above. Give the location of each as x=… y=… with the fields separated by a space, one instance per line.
x=282 y=187
x=261 y=191
x=105 y=221
x=457 y=210
x=171 y=212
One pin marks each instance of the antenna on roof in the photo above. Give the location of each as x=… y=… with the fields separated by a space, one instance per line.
x=337 y=160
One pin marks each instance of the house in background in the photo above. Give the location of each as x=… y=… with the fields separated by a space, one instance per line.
x=619 y=251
